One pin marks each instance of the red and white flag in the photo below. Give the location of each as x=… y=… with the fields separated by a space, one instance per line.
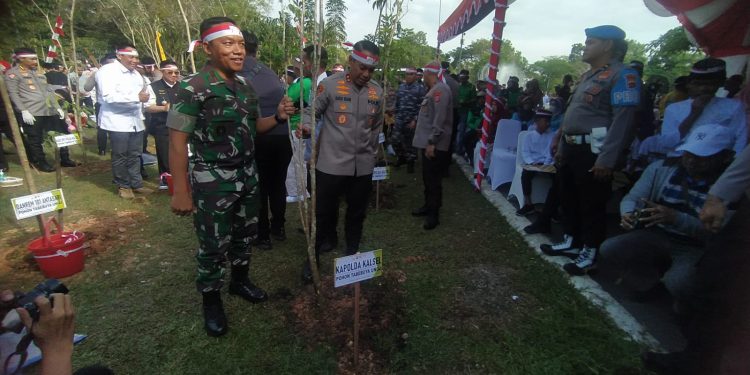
x=57 y=32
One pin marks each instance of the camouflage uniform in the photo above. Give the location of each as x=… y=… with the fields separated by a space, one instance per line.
x=220 y=117
x=408 y=99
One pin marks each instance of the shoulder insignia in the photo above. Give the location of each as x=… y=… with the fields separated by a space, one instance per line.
x=11 y=75
x=627 y=89
x=604 y=75
x=321 y=88
x=631 y=80
x=436 y=96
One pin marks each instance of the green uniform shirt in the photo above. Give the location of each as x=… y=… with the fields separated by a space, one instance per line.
x=467 y=96
x=220 y=117
x=294 y=93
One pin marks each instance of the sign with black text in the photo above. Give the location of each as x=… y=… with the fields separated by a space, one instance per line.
x=358 y=267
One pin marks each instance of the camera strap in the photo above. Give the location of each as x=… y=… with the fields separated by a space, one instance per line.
x=21 y=352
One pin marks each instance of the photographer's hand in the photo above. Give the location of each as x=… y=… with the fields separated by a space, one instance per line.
x=53 y=333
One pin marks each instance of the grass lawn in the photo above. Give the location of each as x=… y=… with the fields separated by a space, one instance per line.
x=474 y=298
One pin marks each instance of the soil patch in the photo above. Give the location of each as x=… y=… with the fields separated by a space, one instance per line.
x=103 y=233
x=488 y=296
x=386 y=192
x=92 y=167
x=329 y=320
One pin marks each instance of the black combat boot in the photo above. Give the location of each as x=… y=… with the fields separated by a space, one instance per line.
x=243 y=287
x=65 y=160
x=214 y=319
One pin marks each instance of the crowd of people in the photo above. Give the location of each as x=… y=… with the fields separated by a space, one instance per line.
x=228 y=135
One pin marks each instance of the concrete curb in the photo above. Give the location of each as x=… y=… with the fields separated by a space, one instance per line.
x=590 y=289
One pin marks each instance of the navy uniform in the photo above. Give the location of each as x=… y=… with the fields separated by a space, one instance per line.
x=408 y=100
x=29 y=91
x=434 y=127
x=597 y=129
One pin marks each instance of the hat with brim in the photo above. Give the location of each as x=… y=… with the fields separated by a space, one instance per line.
x=714 y=69
x=708 y=140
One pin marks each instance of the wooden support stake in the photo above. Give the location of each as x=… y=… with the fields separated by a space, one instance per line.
x=28 y=177
x=356 y=325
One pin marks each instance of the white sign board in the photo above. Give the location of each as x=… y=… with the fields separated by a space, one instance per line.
x=357 y=267
x=381 y=138
x=380 y=173
x=37 y=204
x=66 y=140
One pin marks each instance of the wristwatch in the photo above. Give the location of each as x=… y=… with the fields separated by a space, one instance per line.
x=278 y=120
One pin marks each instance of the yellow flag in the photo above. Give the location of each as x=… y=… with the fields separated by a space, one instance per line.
x=162 y=55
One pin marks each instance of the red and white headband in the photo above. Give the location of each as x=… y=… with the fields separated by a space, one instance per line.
x=410 y=71
x=364 y=59
x=432 y=68
x=24 y=55
x=216 y=31
x=170 y=67
x=127 y=52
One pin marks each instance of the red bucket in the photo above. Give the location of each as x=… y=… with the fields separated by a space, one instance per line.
x=60 y=254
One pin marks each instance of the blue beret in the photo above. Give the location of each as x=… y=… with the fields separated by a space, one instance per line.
x=606 y=32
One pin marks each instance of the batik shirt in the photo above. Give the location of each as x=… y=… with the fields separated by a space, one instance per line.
x=220 y=116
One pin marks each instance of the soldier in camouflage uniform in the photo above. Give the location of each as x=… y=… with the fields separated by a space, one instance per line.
x=408 y=99
x=216 y=113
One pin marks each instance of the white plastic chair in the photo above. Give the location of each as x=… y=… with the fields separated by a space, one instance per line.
x=540 y=184
x=503 y=159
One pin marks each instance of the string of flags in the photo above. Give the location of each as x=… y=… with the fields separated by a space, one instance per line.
x=57 y=32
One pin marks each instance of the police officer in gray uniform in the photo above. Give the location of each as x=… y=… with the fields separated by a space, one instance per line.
x=36 y=108
x=350 y=107
x=597 y=128
x=433 y=138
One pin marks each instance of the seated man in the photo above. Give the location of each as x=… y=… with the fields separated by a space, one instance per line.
x=703 y=107
x=666 y=239
x=535 y=152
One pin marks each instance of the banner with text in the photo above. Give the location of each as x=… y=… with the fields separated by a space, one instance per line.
x=37 y=204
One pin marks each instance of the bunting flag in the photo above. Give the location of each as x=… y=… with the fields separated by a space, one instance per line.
x=57 y=32
x=162 y=55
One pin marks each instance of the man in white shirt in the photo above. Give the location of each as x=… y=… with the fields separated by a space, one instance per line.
x=536 y=156
x=703 y=108
x=123 y=91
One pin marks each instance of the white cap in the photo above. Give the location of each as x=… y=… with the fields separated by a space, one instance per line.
x=707 y=140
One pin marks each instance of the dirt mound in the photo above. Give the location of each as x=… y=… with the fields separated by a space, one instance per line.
x=329 y=320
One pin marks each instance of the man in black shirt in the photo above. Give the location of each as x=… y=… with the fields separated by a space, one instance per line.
x=164 y=91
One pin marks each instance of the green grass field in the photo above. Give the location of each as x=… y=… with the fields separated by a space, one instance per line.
x=475 y=299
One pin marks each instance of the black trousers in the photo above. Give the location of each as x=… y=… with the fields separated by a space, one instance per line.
x=584 y=199
x=719 y=334
x=552 y=202
x=161 y=139
x=101 y=134
x=33 y=137
x=356 y=192
x=432 y=178
x=272 y=155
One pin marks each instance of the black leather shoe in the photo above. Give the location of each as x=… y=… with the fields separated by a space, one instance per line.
x=278 y=235
x=537 y=227
x=214 y=319
x=307 y=275
x=430 y=223
x=68 y=163
x=248 y=291
x=44 y=167
x=421 y=211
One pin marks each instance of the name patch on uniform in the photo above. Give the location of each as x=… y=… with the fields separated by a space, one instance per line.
x=627 y=91
x=343 y=99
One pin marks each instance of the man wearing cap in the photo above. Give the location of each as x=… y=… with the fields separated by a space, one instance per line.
x=350 y=106
x=273 y=151
x=158 y=106
x=408 y=99
x=703 y=107
x=36 y=107
x=217 y=114
x=433 y=138
x=123 y=92
x=665 y=237
x=596 y=130
x=536 y=156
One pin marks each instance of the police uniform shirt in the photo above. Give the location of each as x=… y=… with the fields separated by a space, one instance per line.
x=435 y=120
x=352 y=121
x=719 y=111
x=455 y=88
x=604 y=98
x=29 y=91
